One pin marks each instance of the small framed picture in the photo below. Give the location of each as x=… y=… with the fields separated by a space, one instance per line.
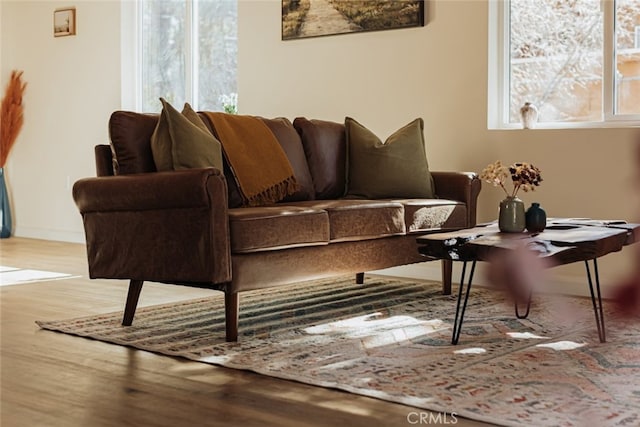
x=64 y=22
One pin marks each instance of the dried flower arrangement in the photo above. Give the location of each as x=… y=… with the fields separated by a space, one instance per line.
x=524 y=176
x=11 y=115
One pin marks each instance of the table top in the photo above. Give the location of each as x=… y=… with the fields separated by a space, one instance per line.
x=564 y=240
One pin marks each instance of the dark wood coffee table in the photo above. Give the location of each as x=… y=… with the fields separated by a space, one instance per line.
x=564 y=241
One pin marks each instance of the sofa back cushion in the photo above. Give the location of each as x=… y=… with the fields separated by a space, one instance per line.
x=130 y=135
x=325 y=148
x=291 y=144
x=320 y=141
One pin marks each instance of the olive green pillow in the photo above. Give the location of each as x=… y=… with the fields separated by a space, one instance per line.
x=182 y=141
x=396 y=168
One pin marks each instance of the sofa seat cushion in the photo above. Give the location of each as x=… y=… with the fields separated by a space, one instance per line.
x=423 y=215
x=360 y=219
x=255 y=229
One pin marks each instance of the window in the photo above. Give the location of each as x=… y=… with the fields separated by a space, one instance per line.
x=575 y=60
x=182 y=50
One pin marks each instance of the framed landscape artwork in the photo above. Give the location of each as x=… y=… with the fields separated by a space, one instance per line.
x=314 y=18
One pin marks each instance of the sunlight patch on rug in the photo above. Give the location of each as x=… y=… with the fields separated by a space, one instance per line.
x=377 y=330
x=525 y=335
x=17 y=276
x=471 y=350
x=562 y=345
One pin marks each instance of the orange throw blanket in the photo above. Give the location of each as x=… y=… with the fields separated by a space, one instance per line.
x=260 y=166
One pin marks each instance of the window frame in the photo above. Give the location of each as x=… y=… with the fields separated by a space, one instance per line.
x=131 y=45
x=131 y=40
x=130 y=48
x=498 y=74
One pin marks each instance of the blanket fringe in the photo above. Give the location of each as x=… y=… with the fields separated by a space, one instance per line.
x=274 y=193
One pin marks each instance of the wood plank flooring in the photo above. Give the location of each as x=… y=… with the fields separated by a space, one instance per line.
x=52 y=379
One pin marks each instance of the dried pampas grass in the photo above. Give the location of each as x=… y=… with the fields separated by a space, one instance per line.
x=11 y=114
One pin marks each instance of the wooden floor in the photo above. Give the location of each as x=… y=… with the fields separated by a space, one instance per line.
x=52 y=379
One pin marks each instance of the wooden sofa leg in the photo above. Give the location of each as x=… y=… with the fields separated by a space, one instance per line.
x=359 y=278
x=447 y=271
x=231 y=313
x=135 y=287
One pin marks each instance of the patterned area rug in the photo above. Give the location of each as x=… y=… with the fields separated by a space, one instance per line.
x=390 y=340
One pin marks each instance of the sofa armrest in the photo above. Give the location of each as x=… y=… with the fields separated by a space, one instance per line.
x=461 y=186
x=147 y=191
x=104 y=160
x=166 y=227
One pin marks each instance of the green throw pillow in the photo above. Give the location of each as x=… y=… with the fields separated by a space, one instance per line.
x=182 y=141
x=396 y=168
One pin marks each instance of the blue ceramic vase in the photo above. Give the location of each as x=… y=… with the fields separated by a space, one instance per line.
x=535 y=218
x=5 y=209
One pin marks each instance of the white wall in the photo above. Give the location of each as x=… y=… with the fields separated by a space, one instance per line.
x=73 y=84
x=383 y=79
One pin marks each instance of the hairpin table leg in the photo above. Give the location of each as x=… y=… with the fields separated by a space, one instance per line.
x=596 y=298
x=526 y=313
x=457 y=323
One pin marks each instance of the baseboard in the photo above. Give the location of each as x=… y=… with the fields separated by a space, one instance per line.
x=421 y=271
x=46 y=234
x=564 y=284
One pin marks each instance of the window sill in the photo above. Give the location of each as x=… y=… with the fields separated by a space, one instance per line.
x=618 y=124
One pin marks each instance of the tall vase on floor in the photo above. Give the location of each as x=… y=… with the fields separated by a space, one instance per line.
x=5 y=208
x=11 y=123
x=511 y=217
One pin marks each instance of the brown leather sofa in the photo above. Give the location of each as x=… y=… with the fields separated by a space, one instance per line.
x=185 y=227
